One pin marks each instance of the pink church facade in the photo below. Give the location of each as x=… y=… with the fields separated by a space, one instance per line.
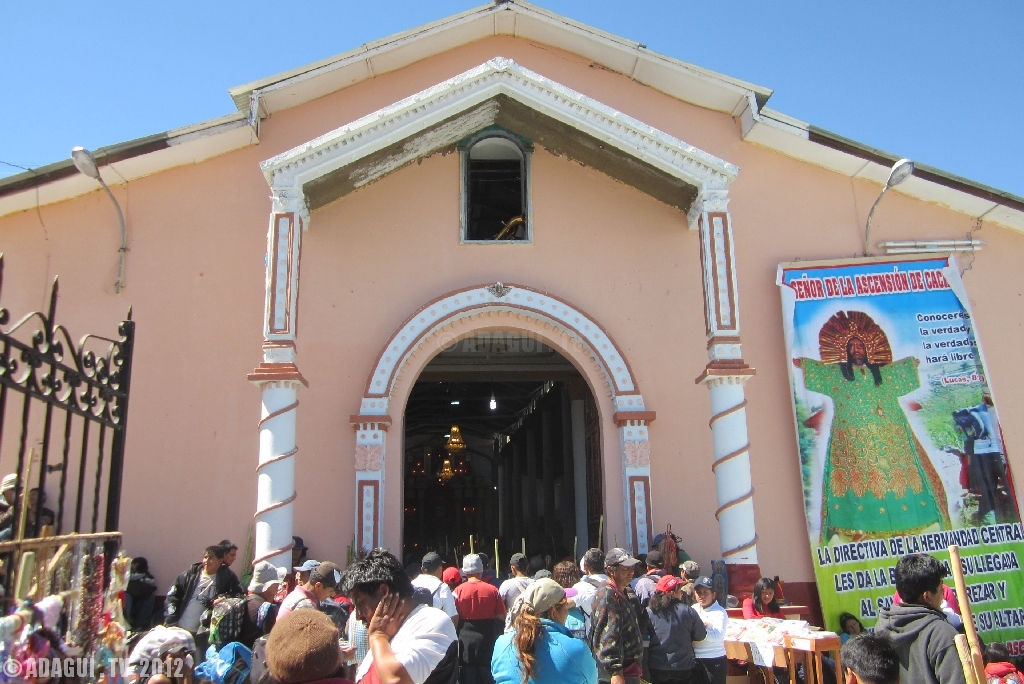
x=295 y=267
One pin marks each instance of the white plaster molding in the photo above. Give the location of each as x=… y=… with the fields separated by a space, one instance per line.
x=632 y=402
x=636 y=484
x=290 y=200
x=374 y=406
x=709 y=201
x=579 y=328
x=713 y=381
x=278 y=354
x=368 y=458
x=284 y=244
x=725 y=351
x=291 y=170
x=718 y=263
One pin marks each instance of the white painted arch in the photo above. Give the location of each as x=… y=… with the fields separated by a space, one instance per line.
x=555 y=322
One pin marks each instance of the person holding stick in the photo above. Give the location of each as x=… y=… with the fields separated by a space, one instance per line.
x=918 y=627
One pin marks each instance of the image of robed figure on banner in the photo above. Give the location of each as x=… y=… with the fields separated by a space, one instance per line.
x=878 y=480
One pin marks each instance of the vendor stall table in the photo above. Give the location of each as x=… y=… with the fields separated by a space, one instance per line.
x=791 y=612
x=741 y=650
x=810 y=649
x=798 y=648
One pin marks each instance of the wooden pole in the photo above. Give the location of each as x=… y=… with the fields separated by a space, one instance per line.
x=524 y=546
x=963 y=649
x=600 y=533
x=471 y=548
x=575 y=548
x=966 y=614
x=497 y=560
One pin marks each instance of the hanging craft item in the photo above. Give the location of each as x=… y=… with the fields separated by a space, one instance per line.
x=113 y=639
x=89 y=615
x=120 y=569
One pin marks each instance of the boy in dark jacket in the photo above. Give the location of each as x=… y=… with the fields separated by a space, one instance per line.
x=191 y=597
x=918 y=627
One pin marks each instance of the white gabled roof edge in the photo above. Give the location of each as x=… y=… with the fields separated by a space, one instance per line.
x=497 y=76
x=744 y=101
x=505 y=17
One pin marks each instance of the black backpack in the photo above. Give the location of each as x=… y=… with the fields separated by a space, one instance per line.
x=423 y=596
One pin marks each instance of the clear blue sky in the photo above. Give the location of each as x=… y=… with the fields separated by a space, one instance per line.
x=939 y=82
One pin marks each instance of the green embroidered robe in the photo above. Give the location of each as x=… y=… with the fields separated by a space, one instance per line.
x=878 y=480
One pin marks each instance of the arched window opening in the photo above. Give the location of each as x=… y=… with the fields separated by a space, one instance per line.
x=495 y=191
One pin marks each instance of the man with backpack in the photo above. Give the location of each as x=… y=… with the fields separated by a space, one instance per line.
x=260 y=610
x=429 y=589
x=592 y=580
x=645 y=586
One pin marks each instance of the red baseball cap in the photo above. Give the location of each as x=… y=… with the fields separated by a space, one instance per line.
x=451 y=576
x=668 y=584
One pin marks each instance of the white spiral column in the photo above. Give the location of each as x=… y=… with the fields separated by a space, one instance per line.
x=275 y=484
x=279 y=379
x=725 y=376
x=731 y=466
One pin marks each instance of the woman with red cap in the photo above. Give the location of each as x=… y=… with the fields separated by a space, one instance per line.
x=452 y=577
x=674 y=628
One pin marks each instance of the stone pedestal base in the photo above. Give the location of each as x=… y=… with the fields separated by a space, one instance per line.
x=742 y=578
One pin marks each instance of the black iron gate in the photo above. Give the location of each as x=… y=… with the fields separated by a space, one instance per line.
x=63 y=414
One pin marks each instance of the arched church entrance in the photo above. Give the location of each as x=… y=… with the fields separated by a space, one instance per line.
x=502 y=443
x=419 y=372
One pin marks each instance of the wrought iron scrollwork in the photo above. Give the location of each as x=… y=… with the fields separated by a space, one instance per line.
x=50 y=367
x=86 y=385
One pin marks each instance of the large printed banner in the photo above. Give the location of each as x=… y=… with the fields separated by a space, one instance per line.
x=900 y=446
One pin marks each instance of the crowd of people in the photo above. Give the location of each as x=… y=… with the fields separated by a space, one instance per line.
x=611 y=618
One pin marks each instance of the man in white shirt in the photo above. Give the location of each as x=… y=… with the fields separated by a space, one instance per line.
x=593 y=579
x=408 y=641
x=711 y=651
x=511 y=588
x=429 y=579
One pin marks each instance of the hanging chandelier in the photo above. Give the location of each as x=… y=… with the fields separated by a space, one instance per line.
x=446 y=471
x=455 y=442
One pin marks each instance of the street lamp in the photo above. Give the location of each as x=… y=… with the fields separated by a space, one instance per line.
x=901 y=171
x=86 y=164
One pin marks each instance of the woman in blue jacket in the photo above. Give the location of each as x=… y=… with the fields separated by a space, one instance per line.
x=540 y=650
